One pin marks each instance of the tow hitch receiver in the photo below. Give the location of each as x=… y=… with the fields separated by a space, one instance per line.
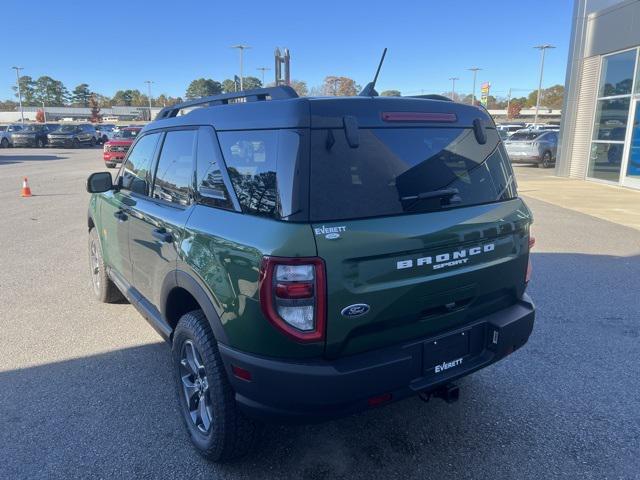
x=449 y=392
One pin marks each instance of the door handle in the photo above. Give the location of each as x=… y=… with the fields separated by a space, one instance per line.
x=162 y=235
x=120 y=215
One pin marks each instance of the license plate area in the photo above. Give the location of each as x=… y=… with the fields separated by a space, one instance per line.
x=450 y=352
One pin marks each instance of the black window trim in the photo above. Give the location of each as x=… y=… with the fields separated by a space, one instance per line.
x=223 y=171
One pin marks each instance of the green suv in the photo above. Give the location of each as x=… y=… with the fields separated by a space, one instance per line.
x=307 y=258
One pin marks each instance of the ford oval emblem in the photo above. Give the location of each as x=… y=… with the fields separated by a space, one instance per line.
x=332 y=236
x=355 y=310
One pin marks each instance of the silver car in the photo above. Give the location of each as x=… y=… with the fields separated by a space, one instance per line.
x=538 y=147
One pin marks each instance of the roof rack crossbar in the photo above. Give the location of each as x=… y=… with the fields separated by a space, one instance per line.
x=259 y=94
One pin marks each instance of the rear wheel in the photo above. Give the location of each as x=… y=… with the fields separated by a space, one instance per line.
x=76 y=143
x=104 y=289
x=218 y=429
x=93 y=141
x=546 y=160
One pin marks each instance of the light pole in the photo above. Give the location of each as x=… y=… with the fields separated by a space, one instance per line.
x=473 y=94
x=242 y=48
x=149 y=82
x=17 y=69
x=263 y=69
x=453 y=87
x=44 y=112
x=542 y=49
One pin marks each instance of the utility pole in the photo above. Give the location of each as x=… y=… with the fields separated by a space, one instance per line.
x=453 y=87
x=149 y=82
x=242 y=48
x=542 y=49
x=508 y=102
x=17 y=69
x=263 y=69
x=473 y=94
x=44 y=112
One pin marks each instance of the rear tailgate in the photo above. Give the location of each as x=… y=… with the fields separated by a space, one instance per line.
x=422 y=274
x=416 y=215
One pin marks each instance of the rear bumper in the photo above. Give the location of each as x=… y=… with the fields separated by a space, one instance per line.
x=318 y=390
x=525 y=157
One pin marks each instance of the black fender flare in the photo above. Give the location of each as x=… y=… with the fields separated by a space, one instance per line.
x=187 y=282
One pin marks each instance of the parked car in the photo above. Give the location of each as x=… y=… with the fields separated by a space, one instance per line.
x=105 y=132
x=73 y=136
x=509 y=128
x=116 y=149
x=33 y=135
x=538 y=147
x=308 y=258
x=5 y=137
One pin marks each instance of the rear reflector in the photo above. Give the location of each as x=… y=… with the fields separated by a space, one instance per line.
x=241 y=373
x=294 y=290
x=379 y=399
x=419 y=117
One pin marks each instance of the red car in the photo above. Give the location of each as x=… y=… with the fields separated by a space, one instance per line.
x=115 y=149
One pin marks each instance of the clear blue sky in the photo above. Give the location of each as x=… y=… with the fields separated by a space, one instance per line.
x=127 y=42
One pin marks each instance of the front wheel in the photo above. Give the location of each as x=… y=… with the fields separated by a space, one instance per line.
x=76 y=143
x=41 y=143
x=104 y=289
x=4 y=143
x=93 y=141
x=218 y=429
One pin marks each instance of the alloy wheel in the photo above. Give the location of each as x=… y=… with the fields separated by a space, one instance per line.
x=195 y=387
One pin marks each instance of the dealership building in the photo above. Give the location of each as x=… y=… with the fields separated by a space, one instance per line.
x=600 y=139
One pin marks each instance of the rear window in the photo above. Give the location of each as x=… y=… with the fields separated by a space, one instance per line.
x=395 y=171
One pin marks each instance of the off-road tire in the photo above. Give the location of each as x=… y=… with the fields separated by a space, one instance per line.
x=231 y=434
x=103 y=288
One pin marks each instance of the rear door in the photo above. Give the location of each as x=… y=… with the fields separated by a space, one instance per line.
x=420 y=229
x=158 y=220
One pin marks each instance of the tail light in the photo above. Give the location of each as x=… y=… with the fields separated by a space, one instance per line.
x=532 y=242
x=293 y=296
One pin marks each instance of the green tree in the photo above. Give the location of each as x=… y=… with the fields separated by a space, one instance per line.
x=50 y=91
x=250 y=83
x=203 y=87
x=130 y=98
x=81 y=95
x=27 y=90
x=391 y=93
x=163 y=100
x=8 y=105
x=339 y=87
x=300 y=86
x=229 y=86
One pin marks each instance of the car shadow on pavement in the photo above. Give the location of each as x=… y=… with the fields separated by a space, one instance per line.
x=9 y=159
x=554 y=407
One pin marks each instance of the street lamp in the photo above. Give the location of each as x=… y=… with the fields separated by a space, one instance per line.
x=242 y=48
x=263 y=69
x=542 y=49
x=149 y=82
x=473 y=94
x=453 y=87
x=17 y=69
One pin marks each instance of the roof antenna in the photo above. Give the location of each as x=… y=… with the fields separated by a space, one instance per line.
x=370 y=89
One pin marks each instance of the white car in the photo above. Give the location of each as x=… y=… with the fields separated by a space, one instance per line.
x=105 y=132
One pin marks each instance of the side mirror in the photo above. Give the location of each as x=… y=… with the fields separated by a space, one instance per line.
x=99 y=182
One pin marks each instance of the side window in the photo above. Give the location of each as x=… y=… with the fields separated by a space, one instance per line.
x=174 y=174
x=136 y=171
x=251 y=162
x=211 y=188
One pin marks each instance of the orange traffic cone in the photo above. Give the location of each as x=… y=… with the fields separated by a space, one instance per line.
x=26 y=191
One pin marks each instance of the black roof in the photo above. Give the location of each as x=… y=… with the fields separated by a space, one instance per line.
x=280 y=107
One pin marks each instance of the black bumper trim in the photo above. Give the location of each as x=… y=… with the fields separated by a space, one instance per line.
x=320 y=389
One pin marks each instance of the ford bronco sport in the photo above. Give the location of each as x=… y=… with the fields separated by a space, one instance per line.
x=311 y=257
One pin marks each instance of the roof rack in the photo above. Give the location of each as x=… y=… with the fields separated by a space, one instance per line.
x=282 y=92
x=433 y=96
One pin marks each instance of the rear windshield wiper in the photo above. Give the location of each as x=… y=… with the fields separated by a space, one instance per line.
x=451 y=195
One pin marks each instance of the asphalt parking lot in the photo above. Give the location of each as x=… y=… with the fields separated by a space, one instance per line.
x=86 y=389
